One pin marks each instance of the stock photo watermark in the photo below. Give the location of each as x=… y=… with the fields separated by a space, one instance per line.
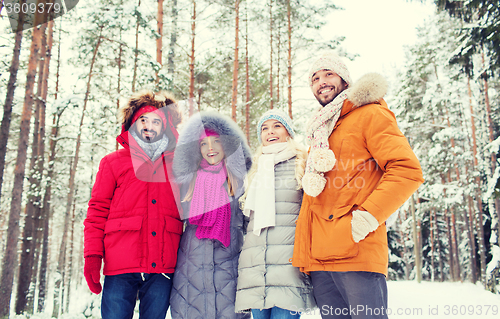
x=26 y=14
x=431 y=310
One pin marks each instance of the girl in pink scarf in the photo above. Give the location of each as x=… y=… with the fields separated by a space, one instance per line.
x=210 y=162
x=210 y=207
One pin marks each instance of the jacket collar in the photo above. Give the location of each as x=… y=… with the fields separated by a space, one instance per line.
x=126 y=140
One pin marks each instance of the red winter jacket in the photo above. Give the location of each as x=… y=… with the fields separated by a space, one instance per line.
x=132 y=220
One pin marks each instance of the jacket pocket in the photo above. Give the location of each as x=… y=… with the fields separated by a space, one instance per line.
x=171 y=239
x=122 y=244
x=331 y=233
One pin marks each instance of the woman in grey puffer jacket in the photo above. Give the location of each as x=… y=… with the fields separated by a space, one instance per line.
x=210 y=162
x=268 y=284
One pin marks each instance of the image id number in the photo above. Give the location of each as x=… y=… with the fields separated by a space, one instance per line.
x=470 y=310
x=33 y=7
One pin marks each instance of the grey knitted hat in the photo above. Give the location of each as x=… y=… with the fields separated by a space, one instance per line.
x=330 y=61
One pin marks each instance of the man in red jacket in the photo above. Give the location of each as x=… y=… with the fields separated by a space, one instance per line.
x=133 y=222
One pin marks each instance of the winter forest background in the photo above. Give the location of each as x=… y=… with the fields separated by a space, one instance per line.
x=62 y=82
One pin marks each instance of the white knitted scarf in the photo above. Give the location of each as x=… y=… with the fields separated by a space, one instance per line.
x=321 y=158
x=261 y=193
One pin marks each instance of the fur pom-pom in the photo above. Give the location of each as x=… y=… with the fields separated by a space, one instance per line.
x=313 y=184
x=323 y=159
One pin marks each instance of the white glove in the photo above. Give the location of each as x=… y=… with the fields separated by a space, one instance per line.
x=362 y=224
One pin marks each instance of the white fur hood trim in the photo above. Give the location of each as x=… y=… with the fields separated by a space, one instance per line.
x=370 y=88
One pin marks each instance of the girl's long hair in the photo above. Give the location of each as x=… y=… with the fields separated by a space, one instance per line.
x=232 y=184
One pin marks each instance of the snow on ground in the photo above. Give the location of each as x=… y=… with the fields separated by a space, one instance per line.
x=407 y=299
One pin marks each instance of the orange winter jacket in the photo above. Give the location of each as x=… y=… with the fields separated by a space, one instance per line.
x=376 y=171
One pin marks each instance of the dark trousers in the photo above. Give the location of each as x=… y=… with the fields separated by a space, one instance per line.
x=120 y=293
x=346 y=295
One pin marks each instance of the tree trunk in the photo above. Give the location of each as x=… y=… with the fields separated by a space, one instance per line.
x=289 y=17
x=470 y=235
x=451 y=257
x=278 y=64
x=136 y=51
x=159 y=48
x=438 y=242
x=479 y=224
x=9 y=262
x=432 y=230
x=27 y=251
x=173 y=41
x=271 y=54
x=69 y=265
x=45 y=211
x=58 y=61
x=404 y=240
x=493 y=204
x=33 y=204
x=45 y=215
x=69 y=201
x=41 y=161
x=454 y=243
x=470 y=221
x=11 y=87
x=118 y=88
x=416 y=250
x=58 y=294
x=191 y=61
x=247 y=83
x=234 y=89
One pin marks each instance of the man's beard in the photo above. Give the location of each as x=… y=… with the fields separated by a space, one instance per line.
x=327 y=101
x=149 y=139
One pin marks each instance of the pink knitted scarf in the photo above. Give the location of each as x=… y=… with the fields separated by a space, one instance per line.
x=210 y=206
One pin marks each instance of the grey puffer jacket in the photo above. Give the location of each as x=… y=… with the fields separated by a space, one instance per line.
x=204 y=283
x=266 y=277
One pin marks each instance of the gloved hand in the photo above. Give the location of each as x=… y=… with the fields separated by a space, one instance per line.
x=362 y=224
x=92 y=273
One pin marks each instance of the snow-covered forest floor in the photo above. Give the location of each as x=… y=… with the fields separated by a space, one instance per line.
x=407 y=299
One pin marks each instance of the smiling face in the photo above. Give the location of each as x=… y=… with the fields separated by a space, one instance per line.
x=211 y=149
x=272 y=132
x=326 y=85
x=149 y=127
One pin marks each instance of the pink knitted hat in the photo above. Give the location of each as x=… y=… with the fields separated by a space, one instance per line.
x=207 y=133
x=330 y=61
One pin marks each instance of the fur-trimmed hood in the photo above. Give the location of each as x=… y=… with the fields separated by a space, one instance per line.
x=187 y=156
x=145 y=97
x=370 y=88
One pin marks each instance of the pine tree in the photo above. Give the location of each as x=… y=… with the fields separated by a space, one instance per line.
x=9 y=261
x=11 y=87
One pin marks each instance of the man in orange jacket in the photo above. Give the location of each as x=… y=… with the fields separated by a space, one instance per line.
x=360 y=170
